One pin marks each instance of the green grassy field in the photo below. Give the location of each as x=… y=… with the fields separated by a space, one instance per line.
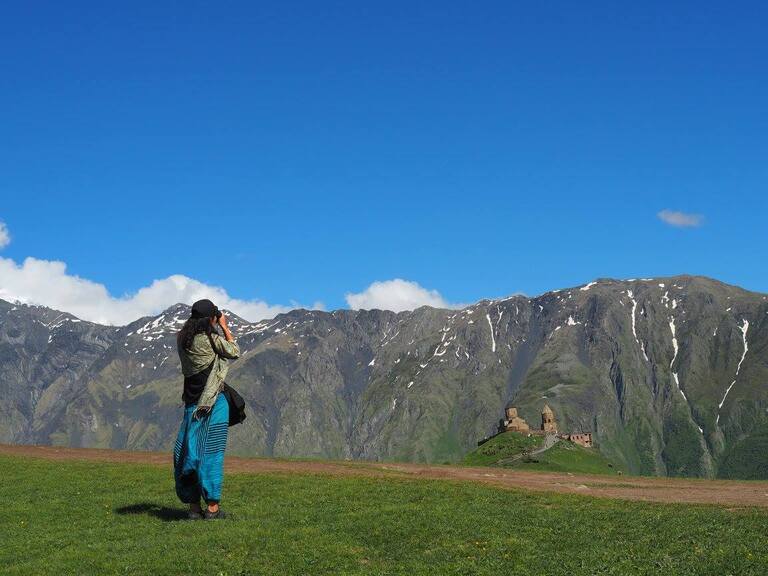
x=562 y=457
x=96 y=518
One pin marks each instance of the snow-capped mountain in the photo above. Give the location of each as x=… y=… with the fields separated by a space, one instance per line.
x=669 y=374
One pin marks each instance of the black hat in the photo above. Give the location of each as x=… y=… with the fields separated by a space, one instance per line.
x=204 y=309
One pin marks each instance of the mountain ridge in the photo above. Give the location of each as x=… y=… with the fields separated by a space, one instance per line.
x=638 y=362
x=480 y=301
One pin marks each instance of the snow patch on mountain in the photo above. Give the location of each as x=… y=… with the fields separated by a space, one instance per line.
x=674 y=339
x=744 y=328
x=493 y=338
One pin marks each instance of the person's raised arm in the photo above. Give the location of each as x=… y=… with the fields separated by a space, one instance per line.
x=223 y=324
x=227 y=348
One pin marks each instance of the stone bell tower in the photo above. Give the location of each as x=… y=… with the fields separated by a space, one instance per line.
x=548 y=423
x=513 y=422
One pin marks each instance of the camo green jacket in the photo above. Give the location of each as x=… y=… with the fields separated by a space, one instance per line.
x=199 y=356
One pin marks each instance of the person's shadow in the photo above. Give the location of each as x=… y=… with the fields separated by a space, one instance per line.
x=162 y=512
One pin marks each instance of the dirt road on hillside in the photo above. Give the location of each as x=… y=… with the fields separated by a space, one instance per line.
x=730 y=493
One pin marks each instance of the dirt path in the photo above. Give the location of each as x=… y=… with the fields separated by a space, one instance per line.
x=731 y=493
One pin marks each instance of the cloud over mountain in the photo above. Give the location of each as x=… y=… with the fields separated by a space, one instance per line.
x=47 y=282
x=396 y=295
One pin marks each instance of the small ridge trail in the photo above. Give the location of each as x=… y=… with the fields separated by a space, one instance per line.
x=549 y=441
x=729 y=493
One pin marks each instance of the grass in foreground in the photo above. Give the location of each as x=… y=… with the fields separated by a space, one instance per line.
x=96 y=518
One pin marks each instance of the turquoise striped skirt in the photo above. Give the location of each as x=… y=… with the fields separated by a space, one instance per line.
x=198 y=457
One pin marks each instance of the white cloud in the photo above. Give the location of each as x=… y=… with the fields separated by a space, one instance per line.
x=5 y=236
x=47 y=282
x=681 y=219
x=396 y=295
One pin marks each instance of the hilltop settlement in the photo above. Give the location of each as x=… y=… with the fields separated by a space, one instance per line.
x=514 y=423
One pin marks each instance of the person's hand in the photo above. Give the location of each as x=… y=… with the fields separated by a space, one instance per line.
x=223 y=320
x=200 y=412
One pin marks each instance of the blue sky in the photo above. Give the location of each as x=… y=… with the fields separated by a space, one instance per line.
x=298 y=152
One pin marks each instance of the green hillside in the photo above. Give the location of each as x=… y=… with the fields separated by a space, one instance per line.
x=747 y=458
x=568 y=457
x=502 y=447
x=507 y=450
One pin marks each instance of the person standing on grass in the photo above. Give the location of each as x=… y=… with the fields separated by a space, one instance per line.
x=198 y=457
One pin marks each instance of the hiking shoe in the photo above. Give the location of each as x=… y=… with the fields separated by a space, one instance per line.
x=195 y=515
x=218 y=515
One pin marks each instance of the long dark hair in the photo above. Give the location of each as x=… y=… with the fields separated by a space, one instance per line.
x=192 y=328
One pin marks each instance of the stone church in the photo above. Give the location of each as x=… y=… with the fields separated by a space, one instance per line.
x=514 y=423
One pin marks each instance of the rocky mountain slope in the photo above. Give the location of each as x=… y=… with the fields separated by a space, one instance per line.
x=669 y=374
